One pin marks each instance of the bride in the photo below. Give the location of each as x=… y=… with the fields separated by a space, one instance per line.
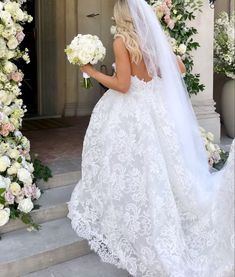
x=147 y=201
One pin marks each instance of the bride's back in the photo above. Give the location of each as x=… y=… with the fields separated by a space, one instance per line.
x=140 y=71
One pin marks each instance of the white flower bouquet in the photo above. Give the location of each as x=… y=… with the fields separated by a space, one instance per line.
x=85 y=49
x=224 y=46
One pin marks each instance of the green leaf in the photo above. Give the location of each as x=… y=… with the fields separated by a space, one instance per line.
x=2 y=190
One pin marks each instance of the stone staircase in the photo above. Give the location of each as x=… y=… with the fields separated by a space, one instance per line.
x=22 y=252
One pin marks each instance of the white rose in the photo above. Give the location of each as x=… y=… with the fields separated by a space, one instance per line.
x=12 y=43
x=12 y=170
x=3 y=48
x=4 y=216
x=15 y=188
x=11 y=54
x=3 y=148
x=4 y=163
x=210 y=136
x=2 y=182
x=24 y=176
x=38 y=193
x=25 y=205
x=211 y=147
x=1 y=6
x=182 y=49
x=9 y=67
x=5 y=16
x=13 y=154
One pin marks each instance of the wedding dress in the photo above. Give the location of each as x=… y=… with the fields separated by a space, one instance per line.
x=135 y=202
x=146 y=201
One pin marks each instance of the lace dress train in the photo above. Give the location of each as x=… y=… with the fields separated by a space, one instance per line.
x=136 y=202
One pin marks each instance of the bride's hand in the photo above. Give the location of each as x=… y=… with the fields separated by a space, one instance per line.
x=88 y=69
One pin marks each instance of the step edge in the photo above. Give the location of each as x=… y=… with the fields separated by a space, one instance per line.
x=35 y=262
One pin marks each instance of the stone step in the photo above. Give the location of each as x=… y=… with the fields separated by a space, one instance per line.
x=23 y=252
x=60 y=180
x=53 y=205
x=86 y=266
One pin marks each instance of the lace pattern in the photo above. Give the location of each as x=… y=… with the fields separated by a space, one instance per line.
x=136 y=202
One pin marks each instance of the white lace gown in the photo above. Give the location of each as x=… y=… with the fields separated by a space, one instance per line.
x=136 y=203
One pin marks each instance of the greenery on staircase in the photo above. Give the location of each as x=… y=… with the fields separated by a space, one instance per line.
x=18 y=172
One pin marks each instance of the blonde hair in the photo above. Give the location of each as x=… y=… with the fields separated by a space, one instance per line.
x=126 y=30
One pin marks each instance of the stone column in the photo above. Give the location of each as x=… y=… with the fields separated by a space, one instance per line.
x=203 y=103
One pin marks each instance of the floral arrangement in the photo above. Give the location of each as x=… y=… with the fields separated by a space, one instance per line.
x=216 y=155
x=224 y=45
x=85 y=49
x=17 y=180
x=174 y=16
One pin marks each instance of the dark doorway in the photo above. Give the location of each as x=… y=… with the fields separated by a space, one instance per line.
x=29 y=85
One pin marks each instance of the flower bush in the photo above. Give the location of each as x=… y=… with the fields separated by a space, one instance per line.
x=224 y=45
x=174 y=16
x=17 y=180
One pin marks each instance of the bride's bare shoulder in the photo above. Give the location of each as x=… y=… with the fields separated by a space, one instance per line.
x=119 y=45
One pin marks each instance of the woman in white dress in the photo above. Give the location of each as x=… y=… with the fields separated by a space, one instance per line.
x=147 y=201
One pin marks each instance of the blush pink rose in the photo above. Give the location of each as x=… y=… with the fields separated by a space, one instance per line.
x=9 y=197
x=171 y=24
x=20 y=36
x=165 y=9
x=6 y=129
x=168 y=3
x=17 y=76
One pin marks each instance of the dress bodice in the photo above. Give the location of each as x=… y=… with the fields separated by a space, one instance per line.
x=138 y=84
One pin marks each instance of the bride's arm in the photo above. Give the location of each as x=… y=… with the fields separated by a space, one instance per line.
x=121 y=80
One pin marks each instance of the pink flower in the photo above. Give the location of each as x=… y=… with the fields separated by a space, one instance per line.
x=9 y=197
x=167 y=19
x=168 y=3
x=165 y=9
x=20 y=36
x=171 y=24
x=17 y=76
x=28 y=191
x=211 y=162
x=4 y=132
x=6 y=129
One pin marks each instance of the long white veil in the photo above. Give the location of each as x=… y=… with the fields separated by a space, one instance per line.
x=158 y=55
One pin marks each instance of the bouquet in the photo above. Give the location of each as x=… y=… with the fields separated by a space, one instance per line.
x=85 y=49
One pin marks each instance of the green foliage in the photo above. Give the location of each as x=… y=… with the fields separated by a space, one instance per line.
x=182 y=12
x=41 y=171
